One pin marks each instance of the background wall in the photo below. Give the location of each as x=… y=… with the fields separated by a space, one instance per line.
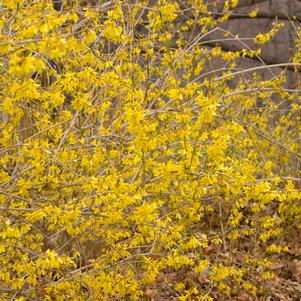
x=278 y=50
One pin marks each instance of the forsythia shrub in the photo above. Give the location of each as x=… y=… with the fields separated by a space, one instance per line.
x=126 y=169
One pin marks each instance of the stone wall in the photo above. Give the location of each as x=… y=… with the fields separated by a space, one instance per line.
x=278 y=50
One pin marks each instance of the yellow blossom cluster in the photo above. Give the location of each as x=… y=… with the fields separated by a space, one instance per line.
x=124 y=161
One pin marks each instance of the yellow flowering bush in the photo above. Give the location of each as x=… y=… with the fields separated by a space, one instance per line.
x=127 y=169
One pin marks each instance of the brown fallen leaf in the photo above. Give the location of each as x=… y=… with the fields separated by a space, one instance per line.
x=295 y=269
x=151 y=293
